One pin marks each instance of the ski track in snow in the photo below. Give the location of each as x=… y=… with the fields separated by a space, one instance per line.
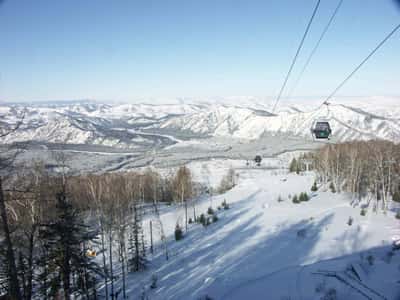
x=253 y=251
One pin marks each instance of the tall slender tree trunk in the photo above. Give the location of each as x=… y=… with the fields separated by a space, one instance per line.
x=111 y=266
x=13 y=282
x=123 y=264
x=22 y=272
x=66 y=275
x=28 y=295
x=186 y=216
x=103 y=251
x=151 y=237
x=136 y=237
x=186 y=209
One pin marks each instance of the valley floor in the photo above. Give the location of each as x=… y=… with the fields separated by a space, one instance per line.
x=264 y=249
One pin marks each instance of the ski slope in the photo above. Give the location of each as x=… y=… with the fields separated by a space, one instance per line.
x=264 y=249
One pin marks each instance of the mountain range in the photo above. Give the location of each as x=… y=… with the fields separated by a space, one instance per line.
x=132 y=126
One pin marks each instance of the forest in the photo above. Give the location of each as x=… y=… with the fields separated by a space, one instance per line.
x=365 y=169
x=55 y=225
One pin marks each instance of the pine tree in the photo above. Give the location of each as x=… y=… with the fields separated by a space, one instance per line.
x=396 y=196
x=298 y=168
x=301 y=197
x=136 y=248
x=178 y=232
x=332 y=187
x=314 y=187
x=293 y=165
x=3 y=269
x=65 y=263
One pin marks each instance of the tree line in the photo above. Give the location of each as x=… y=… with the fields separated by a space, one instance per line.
x=52 y=227
x=366 y=169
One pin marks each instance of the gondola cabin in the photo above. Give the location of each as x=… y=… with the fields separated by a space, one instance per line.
x=321 y=130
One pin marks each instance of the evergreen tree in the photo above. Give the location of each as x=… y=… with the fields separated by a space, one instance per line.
x=65 y=263
x=178 y=232
x=301 y=197
x=3 y=269
x=293 y=165
x=298 y=168
x=202 y=219
x=314 y=187
x=332 y=187
x=137 y=247
x=396 y=196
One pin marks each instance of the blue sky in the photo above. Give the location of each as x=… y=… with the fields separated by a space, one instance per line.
x=126 y=49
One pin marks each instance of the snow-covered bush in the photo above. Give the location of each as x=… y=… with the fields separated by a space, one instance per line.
x=154 y=280
x=178 y=232
x=303 y=197
x=371 y=259
x=350 y=221
x=332 y=187
x=314 y=187
x=202 y=220
x=214 y=218
x=225 y=205
x=302 y=233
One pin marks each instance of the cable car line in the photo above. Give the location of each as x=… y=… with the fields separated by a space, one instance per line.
x=316 y=46
x=363 y=62
x=296 y=55
x=317 y=127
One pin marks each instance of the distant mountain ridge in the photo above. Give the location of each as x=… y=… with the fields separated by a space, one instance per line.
x=132 y=125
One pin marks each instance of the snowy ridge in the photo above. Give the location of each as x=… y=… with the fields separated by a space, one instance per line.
x=347 y=123
x=102 y=124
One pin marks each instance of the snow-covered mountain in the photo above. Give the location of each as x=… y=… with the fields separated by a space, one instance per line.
x=135 y=125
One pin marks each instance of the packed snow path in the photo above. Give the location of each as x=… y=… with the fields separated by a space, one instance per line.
x=264 y=249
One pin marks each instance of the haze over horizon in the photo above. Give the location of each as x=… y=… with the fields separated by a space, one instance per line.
x=133 y=50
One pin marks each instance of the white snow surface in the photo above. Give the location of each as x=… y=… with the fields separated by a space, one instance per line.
x=254 y=252
x=243 y=118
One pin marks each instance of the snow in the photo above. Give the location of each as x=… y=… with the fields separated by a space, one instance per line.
x=249 y=119
x=254 y=250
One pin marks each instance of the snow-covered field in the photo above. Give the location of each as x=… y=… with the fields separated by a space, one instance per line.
x=264 y=249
